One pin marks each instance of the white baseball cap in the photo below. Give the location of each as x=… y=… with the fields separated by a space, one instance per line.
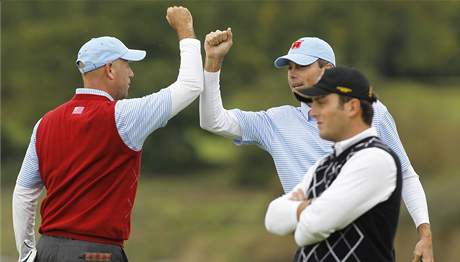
x=102 y=50
x=306 y=51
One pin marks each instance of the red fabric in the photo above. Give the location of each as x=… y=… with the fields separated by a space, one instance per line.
x=89 y=173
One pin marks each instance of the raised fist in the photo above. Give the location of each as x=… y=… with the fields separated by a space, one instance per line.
x=180 y=19
x=218 y=43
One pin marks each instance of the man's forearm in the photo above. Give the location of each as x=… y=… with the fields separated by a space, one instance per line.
x=213 y=64
x=189 y=83
x=281 y=216
x=24 y=205
x=414 y=197
x=213 y=116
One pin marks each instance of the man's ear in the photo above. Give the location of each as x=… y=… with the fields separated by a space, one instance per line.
x=109 y=71
x=329 y=66
x=353 y=107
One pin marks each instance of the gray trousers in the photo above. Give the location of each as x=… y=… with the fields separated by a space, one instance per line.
x=58 y=249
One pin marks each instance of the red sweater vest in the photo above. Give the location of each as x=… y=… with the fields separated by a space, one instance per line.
x=89 y=173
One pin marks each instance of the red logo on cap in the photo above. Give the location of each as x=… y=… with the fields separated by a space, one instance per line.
x=296 y=44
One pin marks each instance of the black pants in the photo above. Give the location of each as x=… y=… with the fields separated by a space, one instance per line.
x=58 y=249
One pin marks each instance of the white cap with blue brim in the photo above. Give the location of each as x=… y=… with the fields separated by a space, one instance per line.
x=306 y=51
x=100 y=51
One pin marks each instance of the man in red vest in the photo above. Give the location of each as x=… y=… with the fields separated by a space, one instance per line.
x=87 y=151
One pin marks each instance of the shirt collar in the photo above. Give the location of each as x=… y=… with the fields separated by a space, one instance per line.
x=341 y=146
x=305 y=108
x=91 y=91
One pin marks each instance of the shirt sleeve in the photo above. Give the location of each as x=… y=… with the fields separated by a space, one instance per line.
x=366 y=179
x=29 y=175
x=213 y=117
x=281 y=216
x=412 y=191
x=256 y=128
x=414 y=198
x=24 y=205
x=25 y=198
x=386 y=129
x=139 y=117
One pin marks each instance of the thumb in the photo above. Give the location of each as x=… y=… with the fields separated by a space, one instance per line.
x=229 y=33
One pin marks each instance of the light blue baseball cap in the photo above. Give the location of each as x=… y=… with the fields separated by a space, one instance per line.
x=103 y=50
x=306 y=51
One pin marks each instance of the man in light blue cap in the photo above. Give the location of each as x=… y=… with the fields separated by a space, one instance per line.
x=290 y=134
x=100 y=51
x=87 y=152
x=104 y=63
x=306 y=51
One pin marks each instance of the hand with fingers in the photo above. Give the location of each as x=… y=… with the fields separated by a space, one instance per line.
x=423 y=250
x=299 y=195
x=216 y=45
x=180 y=19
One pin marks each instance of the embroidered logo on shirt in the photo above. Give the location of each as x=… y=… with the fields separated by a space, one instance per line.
x=78 y=110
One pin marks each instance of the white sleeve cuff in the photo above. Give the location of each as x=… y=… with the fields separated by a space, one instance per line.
x=212 y=77
x=190 y=41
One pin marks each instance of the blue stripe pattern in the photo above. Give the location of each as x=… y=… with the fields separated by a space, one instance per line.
x=29 y=175
x=291 y=137
x=135 y=119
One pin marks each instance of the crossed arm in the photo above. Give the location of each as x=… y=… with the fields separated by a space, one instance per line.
x=368 y=178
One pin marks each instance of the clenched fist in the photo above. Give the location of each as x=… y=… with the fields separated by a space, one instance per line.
x=217 y=44
x=180 y=19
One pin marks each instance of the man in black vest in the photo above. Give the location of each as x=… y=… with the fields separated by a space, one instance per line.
x=347 y=206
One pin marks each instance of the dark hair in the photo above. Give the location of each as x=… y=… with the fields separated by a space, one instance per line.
x=322 y=63
x=366 y=108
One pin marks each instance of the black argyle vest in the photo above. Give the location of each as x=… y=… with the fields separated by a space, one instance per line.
x=370 y=237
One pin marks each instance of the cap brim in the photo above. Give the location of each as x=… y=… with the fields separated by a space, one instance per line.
x=296 y=58
x=134 y=55
x=311 y=92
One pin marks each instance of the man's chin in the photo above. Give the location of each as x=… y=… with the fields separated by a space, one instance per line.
x=327 y=136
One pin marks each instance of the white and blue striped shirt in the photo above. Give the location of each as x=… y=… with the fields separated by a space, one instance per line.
x=292 y=138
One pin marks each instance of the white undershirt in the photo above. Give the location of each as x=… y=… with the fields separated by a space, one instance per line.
x=213 y=116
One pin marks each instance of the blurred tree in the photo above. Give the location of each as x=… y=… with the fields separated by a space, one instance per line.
x=40 y=40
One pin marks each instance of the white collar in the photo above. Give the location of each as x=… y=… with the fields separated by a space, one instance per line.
x=341 y=146
x=305 y=108
x=91 y=91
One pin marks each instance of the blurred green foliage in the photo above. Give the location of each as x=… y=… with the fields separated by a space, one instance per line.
x=40 y=40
